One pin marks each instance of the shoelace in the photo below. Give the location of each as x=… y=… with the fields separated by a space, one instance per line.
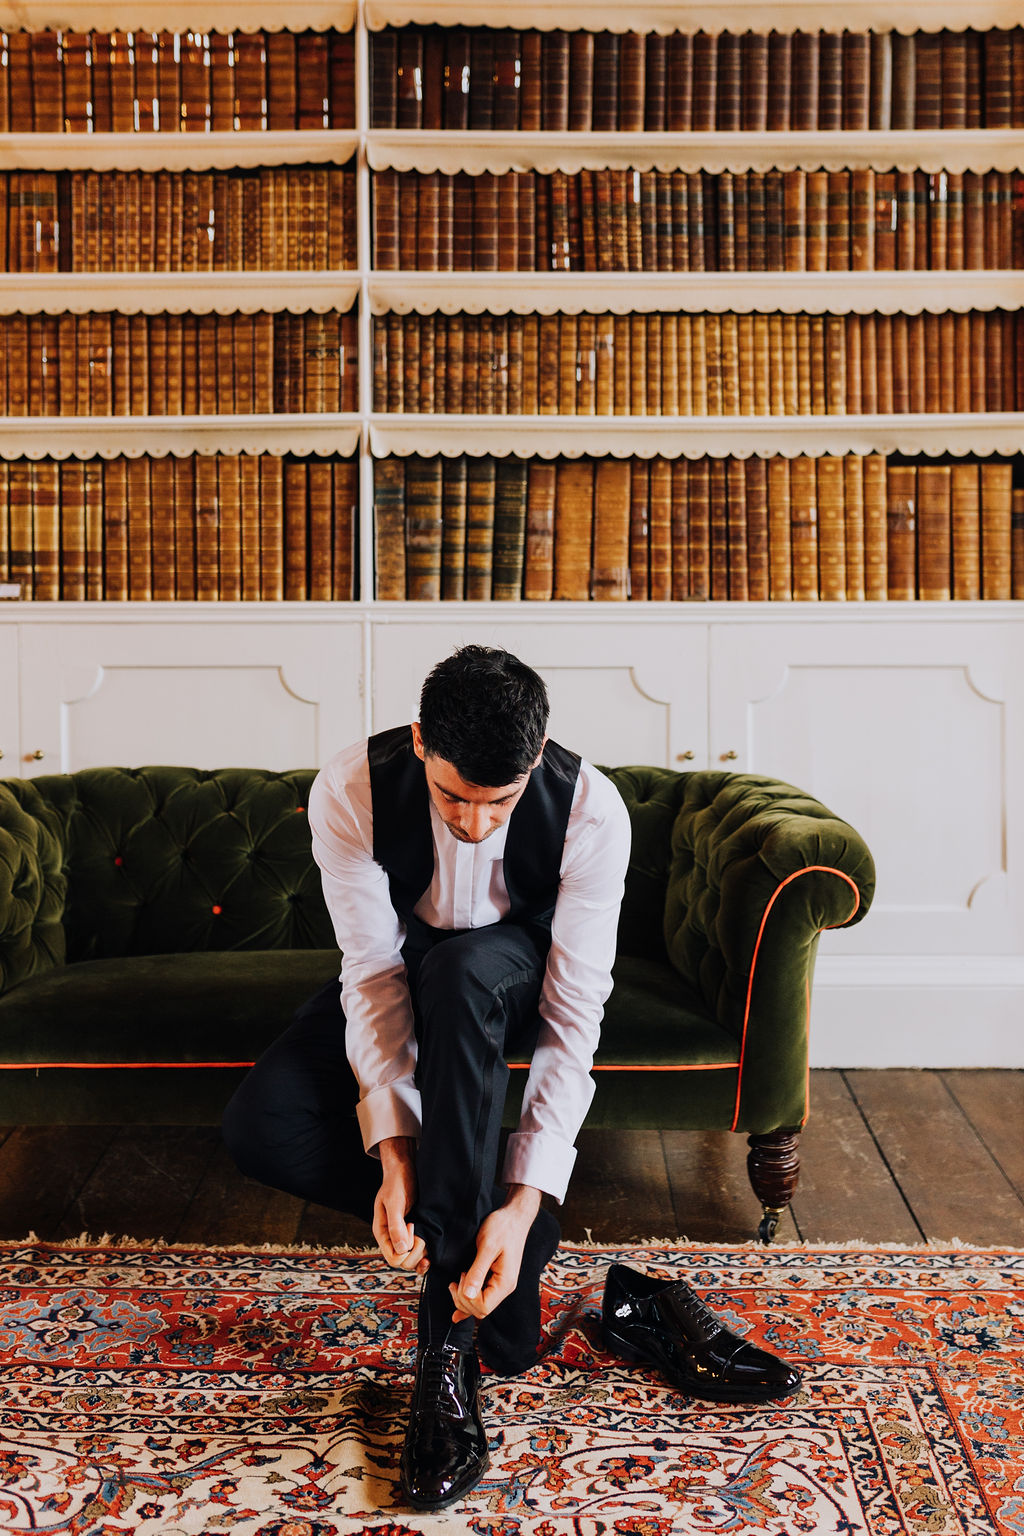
x=437 y=1383
x=695 y=1310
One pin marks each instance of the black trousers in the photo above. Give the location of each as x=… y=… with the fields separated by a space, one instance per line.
x=292 y=1122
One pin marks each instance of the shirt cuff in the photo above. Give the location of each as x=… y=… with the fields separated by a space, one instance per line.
x=543 y=1161
x=391 y=1110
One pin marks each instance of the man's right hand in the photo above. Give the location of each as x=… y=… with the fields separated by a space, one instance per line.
x=395 y=1237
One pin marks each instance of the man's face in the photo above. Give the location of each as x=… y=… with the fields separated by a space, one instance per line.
x=471 y=812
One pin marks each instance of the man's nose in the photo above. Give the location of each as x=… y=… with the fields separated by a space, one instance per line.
x=475 y=821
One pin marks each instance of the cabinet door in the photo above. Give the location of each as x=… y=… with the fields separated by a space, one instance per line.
x=9 y=753
x=620 y=692
x=202 y=694
x=903 y=730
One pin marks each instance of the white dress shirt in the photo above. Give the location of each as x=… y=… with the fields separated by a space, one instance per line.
x=468 y=891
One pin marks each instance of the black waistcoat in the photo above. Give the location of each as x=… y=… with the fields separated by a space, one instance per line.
x=403 y=844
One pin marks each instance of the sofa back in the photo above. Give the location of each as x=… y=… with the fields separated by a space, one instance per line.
x=162 y=860
x=116 y=861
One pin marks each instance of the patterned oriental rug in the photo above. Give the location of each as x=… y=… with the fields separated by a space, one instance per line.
x=162 y=1390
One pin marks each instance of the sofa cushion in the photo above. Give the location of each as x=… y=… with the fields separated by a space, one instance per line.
x=160 y=1008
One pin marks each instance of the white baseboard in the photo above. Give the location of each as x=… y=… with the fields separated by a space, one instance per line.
x=918 y=1011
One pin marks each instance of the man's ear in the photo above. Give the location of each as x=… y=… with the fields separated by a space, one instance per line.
x=540 y=754
x=417 y=741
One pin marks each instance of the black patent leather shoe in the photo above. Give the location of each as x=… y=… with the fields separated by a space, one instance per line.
x=445 y=1451
x=667 y=1324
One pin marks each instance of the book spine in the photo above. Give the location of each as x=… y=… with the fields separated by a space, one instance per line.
x=659 y=512
x=272 y=531
x=481 y=486
x=453 y=529
x=206 y=521
x=996 y=530
x=609 y=579
x=71 y=498
x=423 y=528
x=539 y=568
x=965 y=513
x=162 y=532
x=574 y=501
x=804 y=529
x=934 y=515
x=831 y=530
x=901 y=532
x=510 y=507
x=345 y=487
x=229 y=500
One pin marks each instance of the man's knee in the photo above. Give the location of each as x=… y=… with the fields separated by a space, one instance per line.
x=477 y=965
x=243 y=1127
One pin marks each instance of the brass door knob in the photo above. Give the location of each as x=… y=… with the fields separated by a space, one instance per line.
x=38 y=755
x=729 y=757
x=685 y=757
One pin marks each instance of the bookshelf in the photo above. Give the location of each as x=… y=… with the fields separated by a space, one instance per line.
x=878 y=706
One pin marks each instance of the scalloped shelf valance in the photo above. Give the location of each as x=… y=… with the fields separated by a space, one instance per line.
x=176 y=16
x=107 y=437
x=176 y=293
x=693 y=437
x=173 y=151
x=979 y=149
x=725 y=15
x=573 y=293
x=589 y=15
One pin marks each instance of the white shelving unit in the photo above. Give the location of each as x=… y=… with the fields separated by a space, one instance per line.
x=908 y=718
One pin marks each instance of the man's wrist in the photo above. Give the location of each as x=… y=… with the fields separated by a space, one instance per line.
x=396 y=1151
x=523 y=1199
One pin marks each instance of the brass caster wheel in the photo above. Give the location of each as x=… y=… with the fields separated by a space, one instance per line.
x=769 y=1223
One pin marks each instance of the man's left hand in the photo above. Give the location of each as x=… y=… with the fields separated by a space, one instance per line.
x=499 y=1252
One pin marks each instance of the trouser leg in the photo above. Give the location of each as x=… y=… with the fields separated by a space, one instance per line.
x=292 y=1121
x=476 y=996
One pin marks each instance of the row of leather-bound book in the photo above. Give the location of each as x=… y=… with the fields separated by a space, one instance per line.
x=128 y=82
x=113 y=364
x=618 y=220
x=248 y=528
x=835 y=529
x=223 y=527
x=303 y=218
x=285 y=218
x=497 y=78
x=697 y=365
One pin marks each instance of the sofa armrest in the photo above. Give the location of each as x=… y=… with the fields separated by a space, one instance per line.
x=32 y=888
x=758 y=870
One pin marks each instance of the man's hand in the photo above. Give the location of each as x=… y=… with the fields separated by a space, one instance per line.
x=395 y=1237
x=499 y=1252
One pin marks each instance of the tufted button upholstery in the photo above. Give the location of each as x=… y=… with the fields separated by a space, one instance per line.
x=32 y=884
x=159 y=861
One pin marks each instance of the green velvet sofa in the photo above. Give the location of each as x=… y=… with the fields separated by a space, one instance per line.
x=158 y=926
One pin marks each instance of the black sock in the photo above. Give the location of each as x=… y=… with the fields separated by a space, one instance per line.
x=435 y=1324
x=508 y=1338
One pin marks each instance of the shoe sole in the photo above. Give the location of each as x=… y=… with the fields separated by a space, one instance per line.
x=725 y=1394
x=451 y=1498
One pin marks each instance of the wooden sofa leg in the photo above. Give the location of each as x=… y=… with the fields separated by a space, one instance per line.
x=773 y=1165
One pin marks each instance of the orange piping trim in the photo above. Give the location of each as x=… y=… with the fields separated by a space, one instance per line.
x=630 y=1066
x=514 y=1066
x=107 y=1066
x=820 y=869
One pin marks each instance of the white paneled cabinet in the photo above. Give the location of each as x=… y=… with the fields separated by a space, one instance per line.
x=904 y=730
x=186 y=690
x=629 y=692
x=907 y=722
x=9 y=729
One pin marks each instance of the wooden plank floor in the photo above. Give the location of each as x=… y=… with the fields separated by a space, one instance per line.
x=888 y=1156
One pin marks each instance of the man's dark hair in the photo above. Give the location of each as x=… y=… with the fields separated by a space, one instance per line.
x=485 y=712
